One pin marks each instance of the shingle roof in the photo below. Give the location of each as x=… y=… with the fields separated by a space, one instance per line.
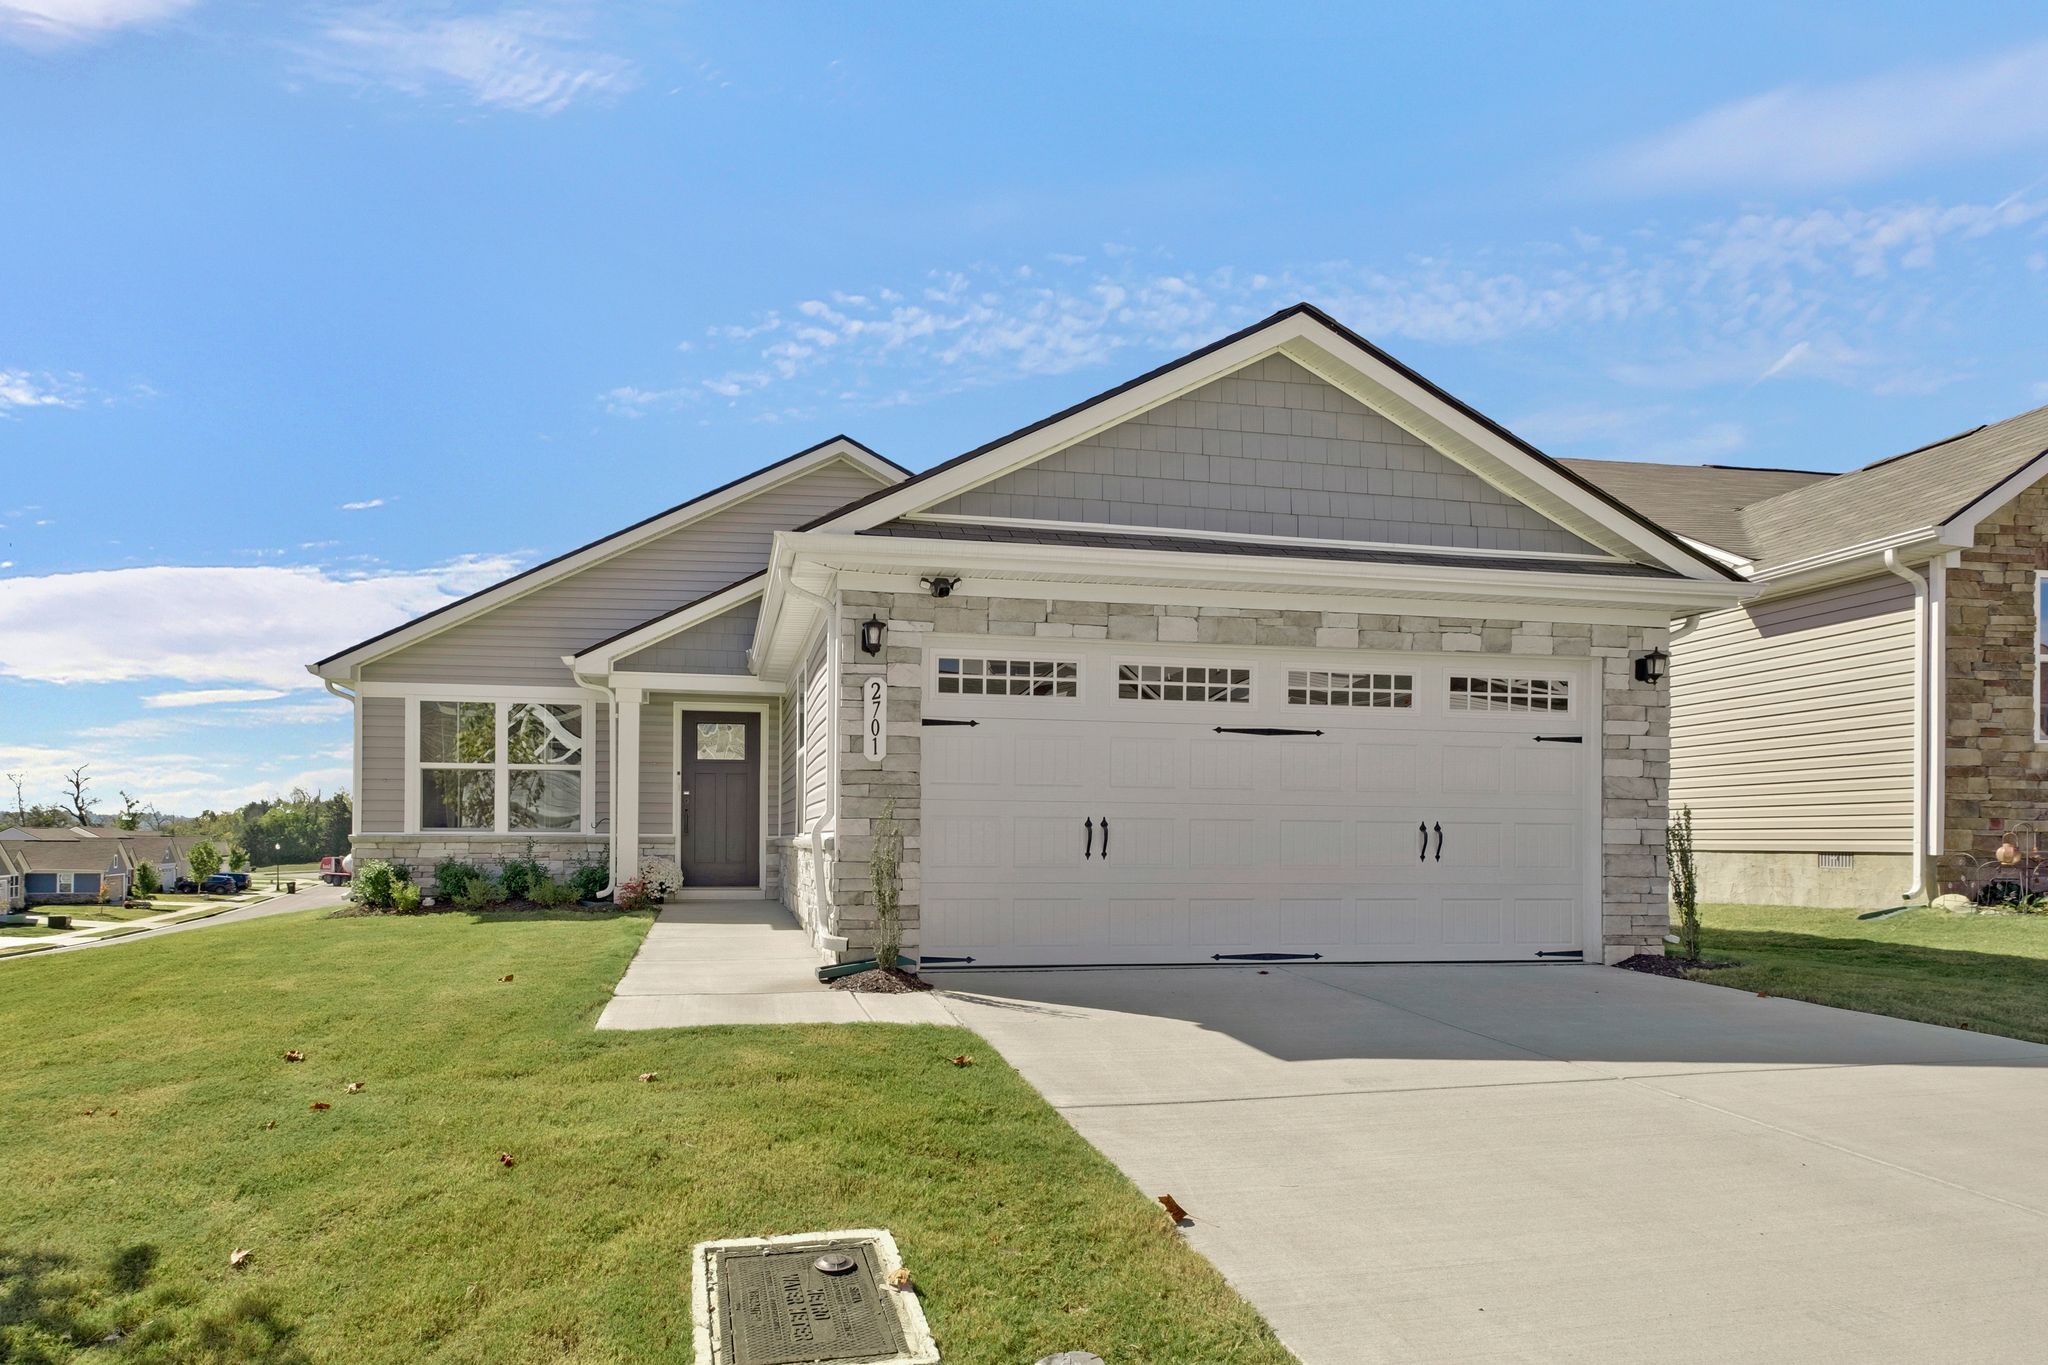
x=1701 y=501
x=1815 y=514
x=1140 y=540
x=78 y=855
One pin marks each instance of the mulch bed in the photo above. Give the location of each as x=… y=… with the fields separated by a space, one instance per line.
x=898 y=982
x=1656 y=964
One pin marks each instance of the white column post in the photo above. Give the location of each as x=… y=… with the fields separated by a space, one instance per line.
x=626 y=764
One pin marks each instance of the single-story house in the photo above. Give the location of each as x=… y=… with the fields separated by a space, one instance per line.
x=1278 y=651
x=1872 y=726
x=162 y=852
x=84 y=871
x=13 y=890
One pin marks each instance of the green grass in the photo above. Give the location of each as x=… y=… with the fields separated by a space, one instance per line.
x=29 y=931
x=1982 y=972
x=120 y=914
x=385 y=1228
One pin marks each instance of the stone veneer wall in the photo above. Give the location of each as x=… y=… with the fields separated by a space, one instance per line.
x=1635 y=725
x=799 y=884
x=1997 y=774
x=418 y=853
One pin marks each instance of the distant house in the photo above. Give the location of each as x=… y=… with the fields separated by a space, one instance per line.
x=1874 y=724
x=81 y=871
x=13 y=893
x=164 y=853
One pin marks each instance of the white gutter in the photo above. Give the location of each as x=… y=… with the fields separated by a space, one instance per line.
x=611 y=772
x=1921 y=663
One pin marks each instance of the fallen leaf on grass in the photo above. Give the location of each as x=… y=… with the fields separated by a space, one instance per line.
x=962 y=1060
x=295 y=1056
x=321 y=1104
x=650 y=1075
x=239 y=1257
x=506 y=977
x=504 y=1158
x=270 y=1125
x=1173 y=1208
x=355 y=1088
x=90 y=1112
x=899 y=1279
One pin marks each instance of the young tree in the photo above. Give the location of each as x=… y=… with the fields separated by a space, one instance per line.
x=81 y=804
x=1685 y=883
x=885 y=862
x=238 y=859
x=203 y=859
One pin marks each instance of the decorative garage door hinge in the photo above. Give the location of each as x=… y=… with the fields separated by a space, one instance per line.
x=1261 y=730
x=1265 y=957
x=928 y=720
x=1564 y=952
x=941 y=961
x=1560 y=739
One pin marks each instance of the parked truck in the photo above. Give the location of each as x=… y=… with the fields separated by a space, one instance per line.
x=335 y=871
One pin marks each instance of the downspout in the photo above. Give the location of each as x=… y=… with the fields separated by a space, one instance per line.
x=1920 y=693
x=611 y=776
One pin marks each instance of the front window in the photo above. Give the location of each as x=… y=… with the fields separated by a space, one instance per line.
x=499 y=767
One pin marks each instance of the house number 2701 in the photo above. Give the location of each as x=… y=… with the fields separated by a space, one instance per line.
x=874 y=713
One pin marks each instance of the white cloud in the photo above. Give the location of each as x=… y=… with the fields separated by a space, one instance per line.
x=530 y=59
x=1721 y=302
x=23 y=389
x=210 y=696
x=363 y=506
x=54 y=23
x=1801 y=137
x=255 y=626
x=177 y=783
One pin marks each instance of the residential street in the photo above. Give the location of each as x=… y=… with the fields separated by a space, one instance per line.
x=311 y=895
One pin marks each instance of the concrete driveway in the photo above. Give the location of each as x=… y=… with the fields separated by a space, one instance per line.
x=1503 y=1163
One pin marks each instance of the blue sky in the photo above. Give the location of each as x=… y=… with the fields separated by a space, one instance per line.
x=313 y=315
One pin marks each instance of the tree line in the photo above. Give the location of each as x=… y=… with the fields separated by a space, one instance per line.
x=301 y=827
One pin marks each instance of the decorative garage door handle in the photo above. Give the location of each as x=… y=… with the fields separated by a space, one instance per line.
x=1423 y=830
x=1088 y=849
x=1439 y=842
x=1105 y=838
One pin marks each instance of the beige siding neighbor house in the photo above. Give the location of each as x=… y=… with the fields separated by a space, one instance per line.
x=1873 y=725
x=1276 y=652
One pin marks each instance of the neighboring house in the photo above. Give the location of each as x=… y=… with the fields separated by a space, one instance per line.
x=1277 y=651
x=1874 y=723
x=70 y=871
x=13 y=891
x=162 y=852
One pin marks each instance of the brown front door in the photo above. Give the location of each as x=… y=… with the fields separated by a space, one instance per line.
x=721 y=843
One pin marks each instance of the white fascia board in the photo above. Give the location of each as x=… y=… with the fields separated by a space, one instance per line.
x=339 y=668
x=1247 y=573
x=1851 y=562
x=781 y=608
x=1287 y=335
x=698 y=684
x=599 y=658
x=1960 y=530
x=1739 y=563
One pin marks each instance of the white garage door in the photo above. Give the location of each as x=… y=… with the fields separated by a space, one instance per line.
x=1100 y=805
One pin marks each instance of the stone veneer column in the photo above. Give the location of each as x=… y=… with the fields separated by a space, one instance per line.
x=1634 y=734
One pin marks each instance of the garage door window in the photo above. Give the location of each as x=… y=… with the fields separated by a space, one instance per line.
x=1313 y=687
x=962 y=676
x=1182 y=682
x=1473 y=693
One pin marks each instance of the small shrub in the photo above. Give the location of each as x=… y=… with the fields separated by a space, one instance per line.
x=406 y=898
x=550 y=894
x=885 y=862
x=1685 y=883
x=452 y=874
x=376 y=884
x=521 y=875
x=633 y=895
x=588 y=881
x=147 y=883
x=481 y=894
x=661 y=877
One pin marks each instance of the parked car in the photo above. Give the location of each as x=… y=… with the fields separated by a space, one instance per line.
x=221 y=884
x=241 y=879
x=335 y=871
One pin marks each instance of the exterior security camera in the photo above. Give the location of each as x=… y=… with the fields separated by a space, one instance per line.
x=939 y=585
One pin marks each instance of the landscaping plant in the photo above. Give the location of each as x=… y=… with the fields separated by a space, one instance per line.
x=1685 y=883
x=589 y=880
x=452 y=874
x=480 y=894
x=238 y=859
x=633 y=895
x=662 y=877
x=147 y=883
x=376 y=884
x=203 y=860
x=885 y=874
x=521 y=875
x=406 y=898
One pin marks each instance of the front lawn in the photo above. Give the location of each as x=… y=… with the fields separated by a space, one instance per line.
x=1983 y=972
x=30 y=930
x=155 y=1128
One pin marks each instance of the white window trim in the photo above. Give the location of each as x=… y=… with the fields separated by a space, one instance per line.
x=767 y=772
x=501 y=766
x=2039 y=704
x=1352 y=671
x=1571 y=693
x=66 y=884
x=993 y=650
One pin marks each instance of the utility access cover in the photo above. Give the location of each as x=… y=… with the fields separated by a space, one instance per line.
x=766 y=1301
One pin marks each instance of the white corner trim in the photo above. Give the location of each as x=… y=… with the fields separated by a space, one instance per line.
x=606 y=548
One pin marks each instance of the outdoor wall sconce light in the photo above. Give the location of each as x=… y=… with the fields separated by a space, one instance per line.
x=871 y=632
x=1650 y=667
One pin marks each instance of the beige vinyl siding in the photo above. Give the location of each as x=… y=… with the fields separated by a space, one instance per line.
x=601 y=761
x=817 y=736
x=522 y=641
x=1792 y=723
x=716 y=646
x=383 y=793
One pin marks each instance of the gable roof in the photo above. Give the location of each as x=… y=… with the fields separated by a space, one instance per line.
x=73 y=855
x=840 y=447
x=1704 y=502
x=1340 y=356
x=1921 y=494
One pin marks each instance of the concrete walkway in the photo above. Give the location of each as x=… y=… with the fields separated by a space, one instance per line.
x=743 y=962
x=1510 y=1163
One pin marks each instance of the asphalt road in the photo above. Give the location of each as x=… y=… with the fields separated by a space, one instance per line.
x=311 y=895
